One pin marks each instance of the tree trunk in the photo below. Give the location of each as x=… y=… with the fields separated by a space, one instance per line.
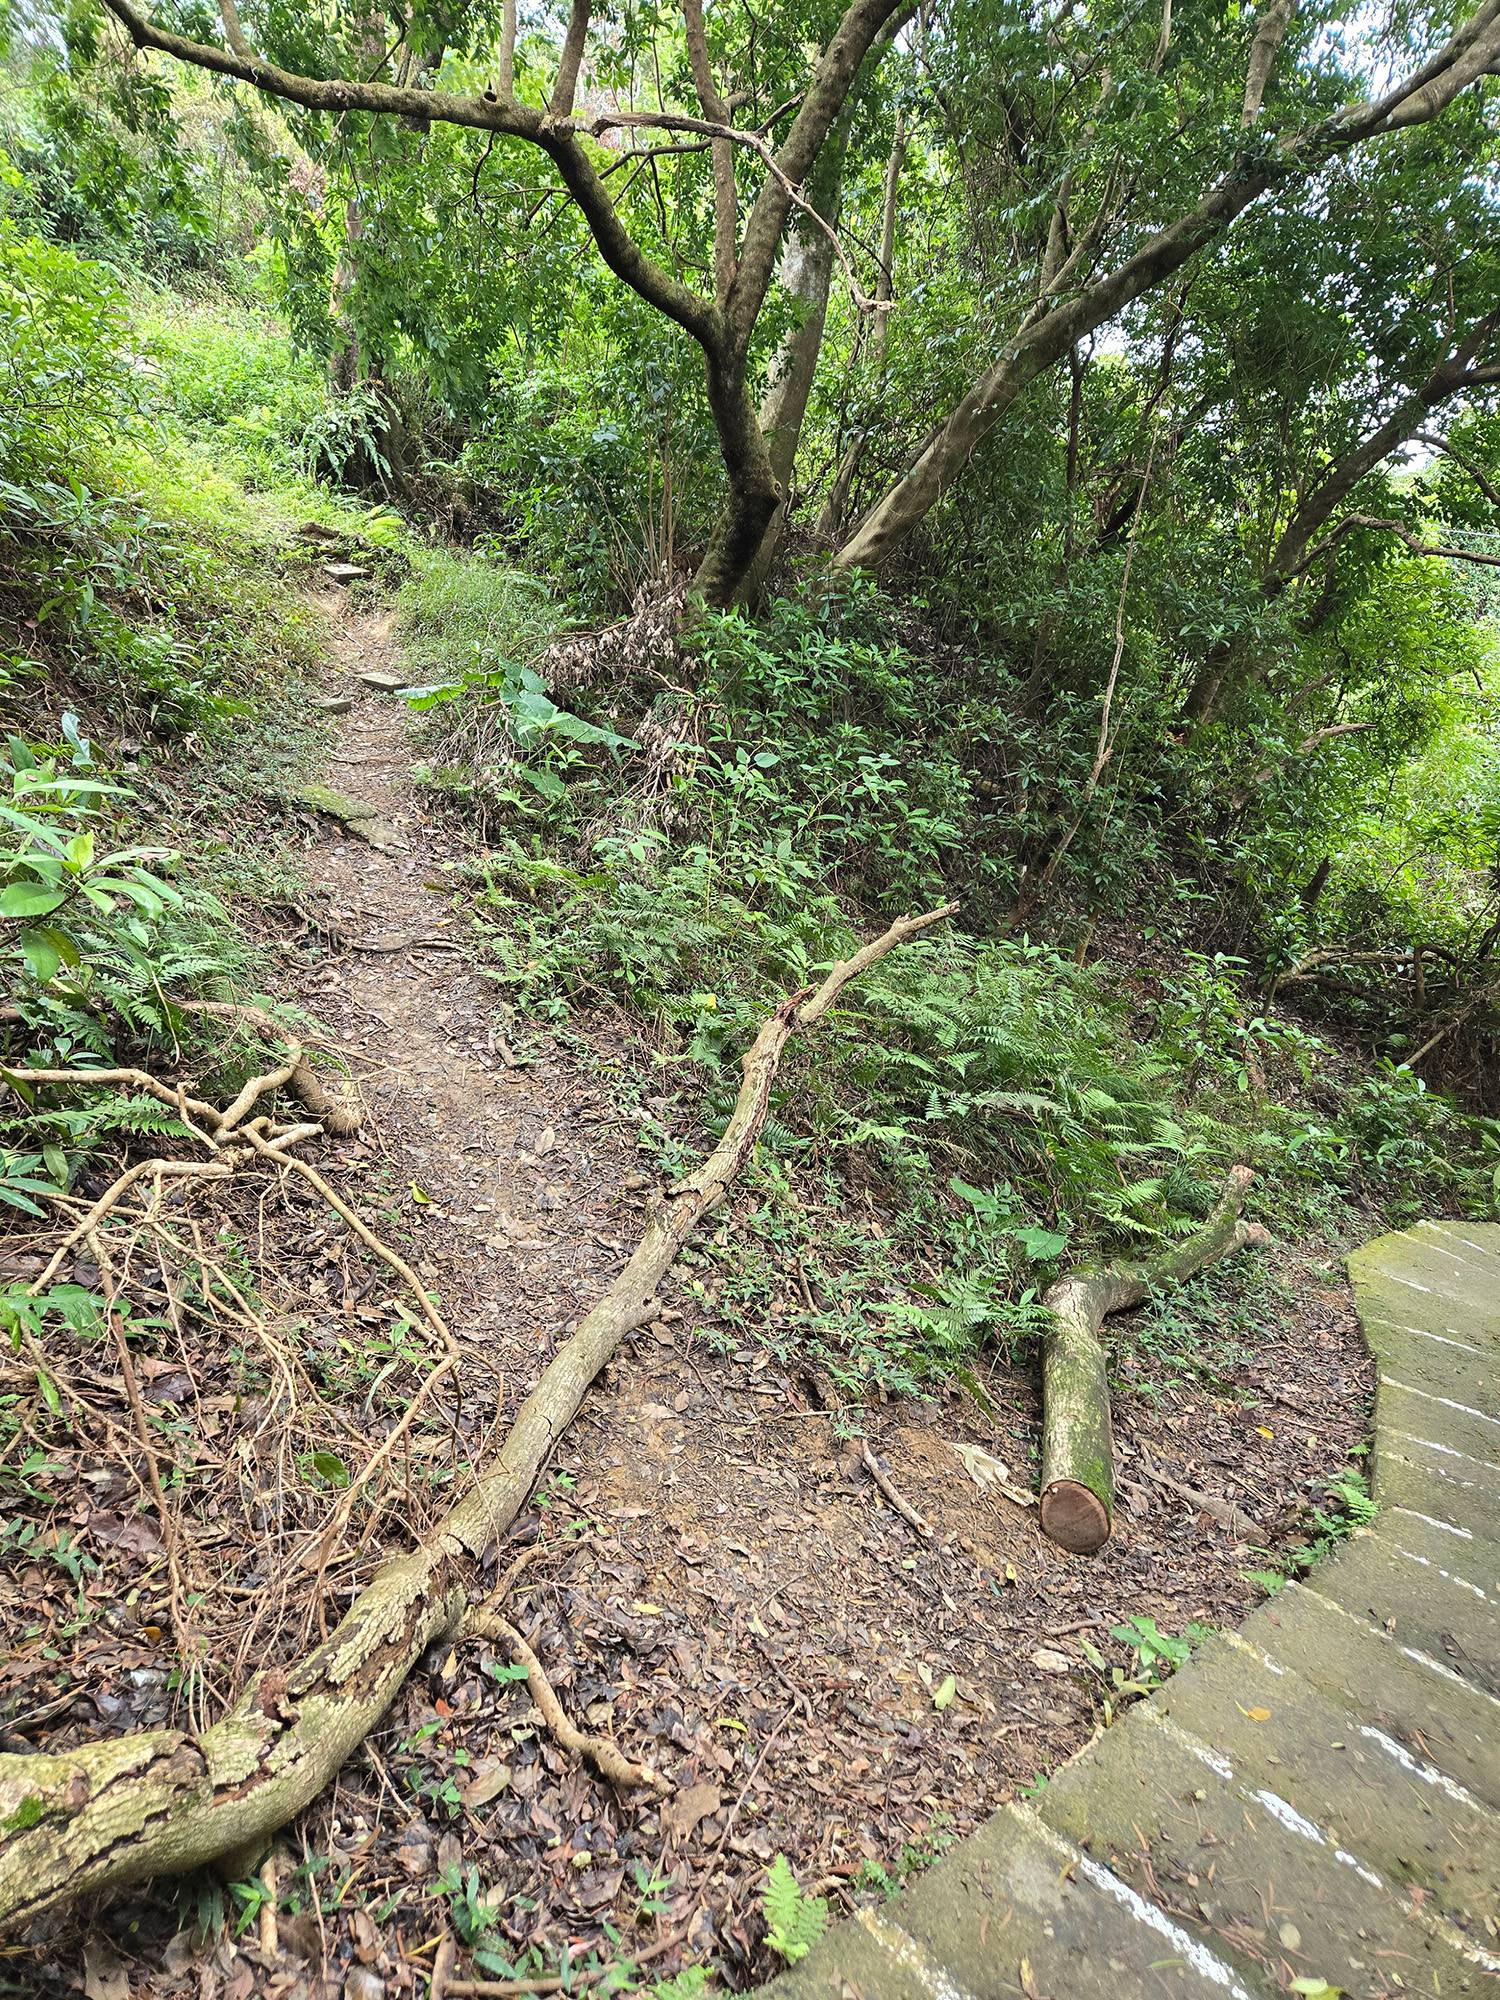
x=754 y=490
x=1033 y=351
x=1078 y=1476
x=805 y=274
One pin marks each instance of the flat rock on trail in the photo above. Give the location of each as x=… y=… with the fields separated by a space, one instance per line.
x=709 y=1572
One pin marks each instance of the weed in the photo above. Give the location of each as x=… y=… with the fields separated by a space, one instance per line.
x=1348 y=1505
x=794 y=1920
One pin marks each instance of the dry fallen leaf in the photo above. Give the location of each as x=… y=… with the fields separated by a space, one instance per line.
x=105 y=1974
x=986 y=1470
x=681 y=1814
x=1050 y=1662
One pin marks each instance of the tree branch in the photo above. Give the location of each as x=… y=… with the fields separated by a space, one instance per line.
x=1403 y=534
x=1263 y=51
x=488 y=112
x=565 y=87
x=726 y=204
x=1480 y=477
x=160 y=1801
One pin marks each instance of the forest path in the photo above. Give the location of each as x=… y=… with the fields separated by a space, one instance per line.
x=1313 y=1799
x=710 y=1574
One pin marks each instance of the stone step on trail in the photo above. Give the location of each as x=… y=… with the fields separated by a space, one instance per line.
x=1378 y=1799
x=1236 y=1862
x=1419 y=1606
x=1316 y=1797
x=1419 y=1701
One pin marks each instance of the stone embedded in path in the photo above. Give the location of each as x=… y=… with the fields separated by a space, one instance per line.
x=1314 y=1798
x=344 y=572
x=384 y=681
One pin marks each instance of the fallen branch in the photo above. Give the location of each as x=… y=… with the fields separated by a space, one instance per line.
x=161 y=1801
x=1078 y=1478
x=607 y=1758
x=903 y=1507
x=339 y=1119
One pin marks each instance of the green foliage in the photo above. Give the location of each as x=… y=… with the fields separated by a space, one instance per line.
x=94 y=942
x=1347 y=1505
x=794 y=1921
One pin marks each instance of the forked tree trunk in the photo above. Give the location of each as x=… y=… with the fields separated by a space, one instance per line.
x=1078 y=1470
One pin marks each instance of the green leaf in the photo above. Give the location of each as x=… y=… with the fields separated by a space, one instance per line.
x=1042 y=1244
x=30 y=899
x=947 y=1689
x=328 y=1465
x=43 y=959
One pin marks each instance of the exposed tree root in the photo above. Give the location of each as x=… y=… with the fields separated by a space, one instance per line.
x=1078 y=1478
x=607 y=1758
x=339 y=1119
x=161 y=1801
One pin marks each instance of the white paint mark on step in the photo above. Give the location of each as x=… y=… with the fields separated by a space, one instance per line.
x=1448 y=1576
x=909 y=1955
x=1195 y=1747
x=1288 y=1816
x=1412 y=1653
x=1204 y=1962
x=1428 y=1773
x=1464 y=1409
x=1424 y=1333
x=1446 y=1451
x=1448 y=1527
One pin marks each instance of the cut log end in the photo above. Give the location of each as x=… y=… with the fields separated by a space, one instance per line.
x=1074 y=1517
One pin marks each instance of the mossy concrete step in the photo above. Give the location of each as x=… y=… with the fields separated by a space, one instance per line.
x=1457 y=1554
x=1417 y=1700
x=1411 y=1598
x=1265 y=1885
x=1378 y=1799
x=1016 y=1911
x=1312 y=1798
x=1433 y=1362
x=1425 y=1475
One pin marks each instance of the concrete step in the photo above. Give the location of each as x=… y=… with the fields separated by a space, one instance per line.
x=1409 y=1821
x=1268 y=1887
x=1414 y=1698
x=1419 y=1470
x=1015 y=1913
x=1413 y=1600
x=1314 y=1798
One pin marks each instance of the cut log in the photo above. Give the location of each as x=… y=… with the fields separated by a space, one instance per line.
x=160 y=1801
x=1078 y=1458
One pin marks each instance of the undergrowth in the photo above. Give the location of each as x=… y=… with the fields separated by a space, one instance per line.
x=983 y=1108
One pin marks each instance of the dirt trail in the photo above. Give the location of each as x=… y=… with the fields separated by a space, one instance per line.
x=709 y=1572
x=720 y=1583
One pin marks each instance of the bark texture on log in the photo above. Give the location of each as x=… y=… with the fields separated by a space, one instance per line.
x=1078 y=1476
x=161 y=1801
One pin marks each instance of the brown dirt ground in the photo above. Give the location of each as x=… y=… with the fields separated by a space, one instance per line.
x=710 y=1573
